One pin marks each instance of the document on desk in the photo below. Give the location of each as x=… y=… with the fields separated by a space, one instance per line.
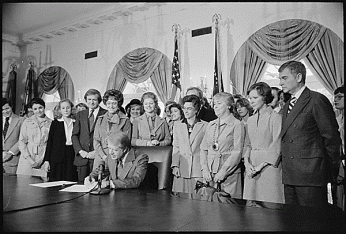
x=77 y=188
x=52 y=184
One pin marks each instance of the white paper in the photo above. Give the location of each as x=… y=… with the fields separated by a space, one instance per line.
x=52 y=184
x=77 y=188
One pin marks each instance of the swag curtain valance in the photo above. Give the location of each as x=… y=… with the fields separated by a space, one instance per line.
x=289 y=40
x=139 y=65
x=56 y=79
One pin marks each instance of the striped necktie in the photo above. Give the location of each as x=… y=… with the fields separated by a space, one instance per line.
x=291 y=104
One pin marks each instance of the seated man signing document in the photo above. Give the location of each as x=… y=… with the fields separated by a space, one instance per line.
x=123 y=167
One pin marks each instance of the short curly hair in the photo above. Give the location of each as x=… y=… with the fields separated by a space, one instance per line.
x=152 y=96
x=263 y=90
x=118 y=96
x=228 y=98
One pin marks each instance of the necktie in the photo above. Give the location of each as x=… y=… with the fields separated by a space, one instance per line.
x=7 y=124
x=291 y=104
x=119 y=167
x=91 y=120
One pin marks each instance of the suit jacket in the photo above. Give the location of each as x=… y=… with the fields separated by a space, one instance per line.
x=141 y=131
x=104 y=126
x=186 y=150
x=310 y=146
x=131 y=175
x=56 y=143
x=82 y=138
x=206 y=114
x=10 y=141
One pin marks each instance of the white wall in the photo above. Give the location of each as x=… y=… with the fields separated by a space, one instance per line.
x=153 y=28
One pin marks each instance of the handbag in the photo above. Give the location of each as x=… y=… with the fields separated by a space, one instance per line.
x=211 y=191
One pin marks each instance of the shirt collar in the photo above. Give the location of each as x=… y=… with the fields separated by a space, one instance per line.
x=297 y=94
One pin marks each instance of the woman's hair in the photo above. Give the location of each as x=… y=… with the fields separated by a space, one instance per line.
x=196 y=102
x=287 y=96
x=81 y=104
x=93 y=92
x=118 y=96
x=37 y=101
x=243 y=102
x=228 y=98
x=340 y=89
x=152 y=96
x=178 y=106
x=263 y=90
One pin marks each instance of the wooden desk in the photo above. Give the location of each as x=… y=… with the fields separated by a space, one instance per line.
x=140 y=210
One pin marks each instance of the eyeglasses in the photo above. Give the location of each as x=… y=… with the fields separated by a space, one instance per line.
x=338 y=97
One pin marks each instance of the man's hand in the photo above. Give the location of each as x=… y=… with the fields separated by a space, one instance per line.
x=83 y=154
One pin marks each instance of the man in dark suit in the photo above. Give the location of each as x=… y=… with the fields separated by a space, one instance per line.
x=204 y=113
x=83 y=132
x=310 y=140
x=10 y=136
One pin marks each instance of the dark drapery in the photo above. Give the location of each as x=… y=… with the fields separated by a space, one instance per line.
x=290 y=40
x=11 y=89
x=139 y=65
x=55 y=79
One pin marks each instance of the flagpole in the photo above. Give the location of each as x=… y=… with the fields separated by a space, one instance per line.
x=218 y=83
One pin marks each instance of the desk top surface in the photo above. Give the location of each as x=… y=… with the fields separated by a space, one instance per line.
x=140 y=210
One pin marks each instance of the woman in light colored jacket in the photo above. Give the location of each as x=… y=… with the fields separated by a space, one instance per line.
x=32 y=141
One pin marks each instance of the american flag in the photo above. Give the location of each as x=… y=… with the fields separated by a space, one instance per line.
x=175 y=66
x=218 y=84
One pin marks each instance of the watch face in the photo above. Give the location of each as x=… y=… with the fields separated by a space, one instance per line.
x=215 y=146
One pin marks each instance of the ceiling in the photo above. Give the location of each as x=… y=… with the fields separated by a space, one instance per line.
x=20 y=19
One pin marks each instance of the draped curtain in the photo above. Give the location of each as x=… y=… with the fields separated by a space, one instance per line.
x=291 y=40
x=139 y=65
x=56 y=79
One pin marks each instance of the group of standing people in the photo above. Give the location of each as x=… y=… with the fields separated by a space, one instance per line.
x=279 y=146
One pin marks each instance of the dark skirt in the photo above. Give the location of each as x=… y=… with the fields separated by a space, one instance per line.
x=64 y=170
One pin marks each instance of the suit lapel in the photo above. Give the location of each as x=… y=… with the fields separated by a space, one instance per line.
x=127 y=165
x=297 y=108
x=196 y=129
x=158 y=123
x=14 y=122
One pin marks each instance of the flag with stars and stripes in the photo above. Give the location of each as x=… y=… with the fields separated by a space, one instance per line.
x=218 y=84
x=176 y=94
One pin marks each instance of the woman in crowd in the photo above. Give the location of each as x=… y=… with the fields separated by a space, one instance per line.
x=28 y=111
x=150 y=129
x=283 y=98
x=244 y=109
x=168 y=115
x=187 y=138
x=338 y=191
x=177 y=115
x=81 y=106
x=243 y=112
x=134 y=109
x=113 y=121
x=33 y=140
x=59 y=155
x=222 y=146
x=263 y=167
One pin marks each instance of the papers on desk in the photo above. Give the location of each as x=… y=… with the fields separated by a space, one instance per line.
x=52 y=184
x=77 y=188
